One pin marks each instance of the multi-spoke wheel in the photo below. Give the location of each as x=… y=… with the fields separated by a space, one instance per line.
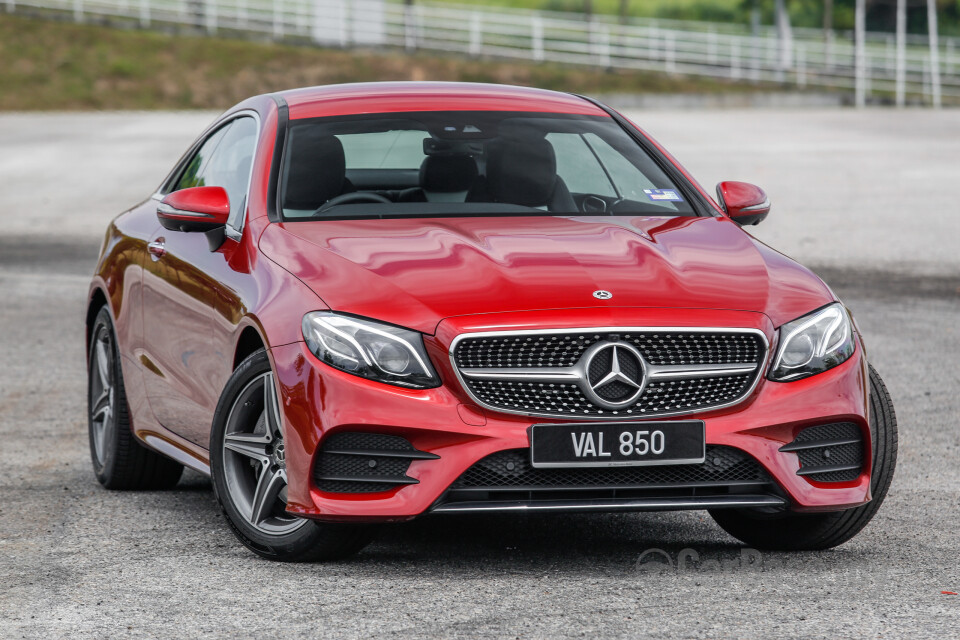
x=102 y=388
x=254 y=464
x=248 y=464
x=119 y=461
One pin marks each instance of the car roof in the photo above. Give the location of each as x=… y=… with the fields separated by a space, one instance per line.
x=392 y=97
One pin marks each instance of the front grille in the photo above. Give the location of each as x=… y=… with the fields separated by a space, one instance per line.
x=508 y=476
x=358 y=462
x=683 y=371
x=829 y=452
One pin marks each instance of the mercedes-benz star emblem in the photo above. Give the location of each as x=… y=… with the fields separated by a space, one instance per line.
x=614 y=374
x=602 y=295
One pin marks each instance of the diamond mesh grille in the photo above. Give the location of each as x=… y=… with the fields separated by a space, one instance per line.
x=660 y=396
x=567 y=399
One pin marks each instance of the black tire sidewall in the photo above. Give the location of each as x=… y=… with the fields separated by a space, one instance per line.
x=814 y=531
x=883 y=430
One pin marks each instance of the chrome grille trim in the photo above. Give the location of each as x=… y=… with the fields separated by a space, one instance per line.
x=572 y=376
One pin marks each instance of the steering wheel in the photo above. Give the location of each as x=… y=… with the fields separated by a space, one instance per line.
x=356 y=196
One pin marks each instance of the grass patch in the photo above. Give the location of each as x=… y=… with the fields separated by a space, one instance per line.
x=53 y=65
x=722 y=10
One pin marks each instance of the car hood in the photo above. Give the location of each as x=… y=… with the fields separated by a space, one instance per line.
x=416 y=272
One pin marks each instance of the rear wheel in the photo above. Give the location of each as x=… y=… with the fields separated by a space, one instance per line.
x=798 y=531
x=248 y=464
x=119 y=460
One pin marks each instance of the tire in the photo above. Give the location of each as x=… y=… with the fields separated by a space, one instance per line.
x=119 y=460
x=249 y=475
x=812 y=532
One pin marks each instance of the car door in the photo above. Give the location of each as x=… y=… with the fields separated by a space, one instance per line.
x=181 y=293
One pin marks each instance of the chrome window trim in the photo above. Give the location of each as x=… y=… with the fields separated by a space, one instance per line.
x=609 y=415
x=231 y=231
x=246 y=196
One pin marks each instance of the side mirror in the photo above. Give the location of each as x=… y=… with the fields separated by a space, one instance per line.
x=744 y=203
x=195 y=209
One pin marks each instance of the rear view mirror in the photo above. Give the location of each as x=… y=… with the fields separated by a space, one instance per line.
x=195 y=209
x=743 y=202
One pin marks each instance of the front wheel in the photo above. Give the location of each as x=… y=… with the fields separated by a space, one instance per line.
x=248 y=464
x=811 y=532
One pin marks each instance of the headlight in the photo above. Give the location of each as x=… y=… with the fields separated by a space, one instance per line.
x=814 y=343
x=370 y=349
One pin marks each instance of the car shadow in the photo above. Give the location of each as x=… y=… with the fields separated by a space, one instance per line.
x=534 y=544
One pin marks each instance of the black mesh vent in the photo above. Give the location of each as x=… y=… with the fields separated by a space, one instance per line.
x=512 y=470
x=346 y=486
x=565 y=349
x=836 y=450
x=357 y=462
x=367 y=466
x=366 y=441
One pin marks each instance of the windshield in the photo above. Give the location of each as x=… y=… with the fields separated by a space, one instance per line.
x=464 y=163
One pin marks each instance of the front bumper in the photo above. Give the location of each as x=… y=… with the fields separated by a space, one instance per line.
x=319 y=400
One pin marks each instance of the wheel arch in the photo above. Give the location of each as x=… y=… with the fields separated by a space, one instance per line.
x=248 y=342
x=98 y=300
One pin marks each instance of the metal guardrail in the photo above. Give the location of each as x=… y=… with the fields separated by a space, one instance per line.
x=715 y=50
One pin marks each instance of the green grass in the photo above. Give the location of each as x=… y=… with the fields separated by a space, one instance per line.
x=803 y=13
x=51 y=65
x=725 y=10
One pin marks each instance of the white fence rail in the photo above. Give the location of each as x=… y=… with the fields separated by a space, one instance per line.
x=807 y=59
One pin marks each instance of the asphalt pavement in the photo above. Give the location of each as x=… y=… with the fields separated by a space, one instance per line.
x=866 y=199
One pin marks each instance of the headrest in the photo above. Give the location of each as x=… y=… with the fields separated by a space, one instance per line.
x=521 y=171
x=315 y=169
x=447 y=174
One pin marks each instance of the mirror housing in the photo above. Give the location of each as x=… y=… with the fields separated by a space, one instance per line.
x=743 y=202
x=195 y=209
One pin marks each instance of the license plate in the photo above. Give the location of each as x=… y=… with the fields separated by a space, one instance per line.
x=617 y=444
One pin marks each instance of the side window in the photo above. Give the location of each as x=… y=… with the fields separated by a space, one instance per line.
x=224 y=161
x=193 y=174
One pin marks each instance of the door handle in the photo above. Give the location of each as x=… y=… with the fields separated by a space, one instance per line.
x=156 y=249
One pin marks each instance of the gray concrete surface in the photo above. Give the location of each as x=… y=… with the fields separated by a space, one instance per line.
x=873 y=189
x=79 y=561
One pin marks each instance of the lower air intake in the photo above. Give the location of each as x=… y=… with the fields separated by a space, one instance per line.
x=355 y=462
x=512 y=470
x=829 y=452
x=506 y=479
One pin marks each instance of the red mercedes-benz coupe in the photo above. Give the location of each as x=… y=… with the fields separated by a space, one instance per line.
x=365 y=303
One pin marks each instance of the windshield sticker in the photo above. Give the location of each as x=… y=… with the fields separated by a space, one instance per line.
x=663 y=194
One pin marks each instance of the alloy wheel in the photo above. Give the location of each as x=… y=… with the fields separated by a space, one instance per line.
x=255 y=461
x=102 y=389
